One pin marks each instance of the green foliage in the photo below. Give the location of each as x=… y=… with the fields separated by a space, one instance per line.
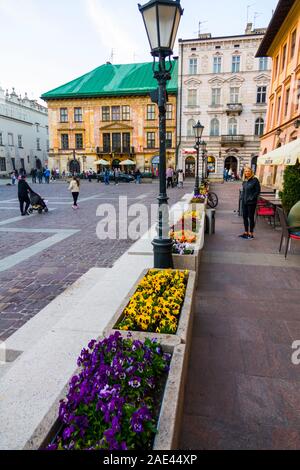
x=291 y=187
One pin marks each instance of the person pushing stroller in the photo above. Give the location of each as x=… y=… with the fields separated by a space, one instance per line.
x=23 y=195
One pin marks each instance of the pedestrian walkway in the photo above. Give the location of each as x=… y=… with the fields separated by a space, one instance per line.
x=243 y=390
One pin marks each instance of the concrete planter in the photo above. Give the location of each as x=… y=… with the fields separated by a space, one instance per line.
x=185 y=321
x=170 y=416
x=189 y=262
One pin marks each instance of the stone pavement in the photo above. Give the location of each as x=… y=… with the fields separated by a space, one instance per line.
x=42 y=255
x=243 y=390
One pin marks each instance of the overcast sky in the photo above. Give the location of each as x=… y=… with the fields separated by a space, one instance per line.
x=46 y=43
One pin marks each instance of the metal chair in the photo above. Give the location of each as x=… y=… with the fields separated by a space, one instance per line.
x=265 y=209
x=287 y=232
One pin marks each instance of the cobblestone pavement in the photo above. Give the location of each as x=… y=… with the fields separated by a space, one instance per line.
x=243 y=390
x=28 y=281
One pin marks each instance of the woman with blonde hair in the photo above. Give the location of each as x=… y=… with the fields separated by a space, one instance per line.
x=75 y=188
x=251 y=191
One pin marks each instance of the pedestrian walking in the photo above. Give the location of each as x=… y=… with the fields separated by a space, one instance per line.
x=75 y=188
x=229 y=174
x=23 y=196
x=13 y=178
x=116 y=175
x=90 y=174
x=106 y=176
x=138 y=176
x=250 y=193
x=40 y=176
x=33 y=175
x=180 y=179
x=170 y=174
x=47 y=174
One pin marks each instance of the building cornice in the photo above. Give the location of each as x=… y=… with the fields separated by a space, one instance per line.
x=222 y=38
x=9 y=118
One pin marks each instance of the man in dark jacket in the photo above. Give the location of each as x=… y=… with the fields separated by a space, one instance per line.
x=23 y=188
x=251 y=191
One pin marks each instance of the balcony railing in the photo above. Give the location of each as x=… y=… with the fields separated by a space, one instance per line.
x=110 y=149
x=234 y=108
x=232 y=139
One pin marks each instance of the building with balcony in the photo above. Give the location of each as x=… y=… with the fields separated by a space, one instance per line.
x=108 y=114
x=225 y=87
x=280 y=144
x=24 y=136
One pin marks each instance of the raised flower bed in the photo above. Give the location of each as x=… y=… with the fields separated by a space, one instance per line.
x=127 y=395
x=186 y=234
x=160 y=305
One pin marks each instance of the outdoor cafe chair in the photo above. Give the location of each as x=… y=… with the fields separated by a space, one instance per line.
x=289 y=233
x=264 y=209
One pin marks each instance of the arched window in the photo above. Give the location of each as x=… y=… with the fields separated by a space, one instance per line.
x=259 y=126
x=215 y=127
x=190 y=124
x=232 y=126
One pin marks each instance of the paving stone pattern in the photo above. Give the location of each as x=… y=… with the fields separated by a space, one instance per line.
x=30 y=285
x=243 y=390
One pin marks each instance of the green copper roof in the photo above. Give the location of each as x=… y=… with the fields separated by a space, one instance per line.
x=114 y=80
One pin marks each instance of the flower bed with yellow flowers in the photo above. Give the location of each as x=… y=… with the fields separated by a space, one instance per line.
x=156 y=305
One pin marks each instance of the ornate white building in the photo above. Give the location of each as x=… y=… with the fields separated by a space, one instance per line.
x=225 y=87
x=24 y=139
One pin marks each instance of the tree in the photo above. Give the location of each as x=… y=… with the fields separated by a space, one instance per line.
x=291 y=187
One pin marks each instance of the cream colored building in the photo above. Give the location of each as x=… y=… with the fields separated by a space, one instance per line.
x=222 y=84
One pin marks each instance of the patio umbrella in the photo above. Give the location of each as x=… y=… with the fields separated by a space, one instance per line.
x=102 y=162
x=127 y=162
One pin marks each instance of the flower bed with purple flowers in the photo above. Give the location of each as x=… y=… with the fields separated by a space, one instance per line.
x=114 y=401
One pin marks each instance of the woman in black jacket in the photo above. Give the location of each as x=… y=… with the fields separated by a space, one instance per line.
x=251 y=191
x=23 y=189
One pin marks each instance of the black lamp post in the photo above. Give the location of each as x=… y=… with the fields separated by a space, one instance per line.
x=161 y=19
x=203 y=145
x=198 y=130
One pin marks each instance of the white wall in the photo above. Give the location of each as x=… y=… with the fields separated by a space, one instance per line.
x=19 y=117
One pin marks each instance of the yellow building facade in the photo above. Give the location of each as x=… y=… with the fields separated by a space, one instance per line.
x=124 y=125
x=282 y=43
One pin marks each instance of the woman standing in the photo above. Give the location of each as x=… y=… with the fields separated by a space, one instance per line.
x=75 y=188
x=251 y=191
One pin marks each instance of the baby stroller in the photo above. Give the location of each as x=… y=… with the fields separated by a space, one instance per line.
x=37 y=203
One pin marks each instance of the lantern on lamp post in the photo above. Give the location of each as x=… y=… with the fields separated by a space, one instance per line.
x=161 y=20
x=198 y=131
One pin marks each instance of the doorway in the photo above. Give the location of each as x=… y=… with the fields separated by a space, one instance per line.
x=74 y=167
x=231 y=162
x=254 y=164
x=190 y=167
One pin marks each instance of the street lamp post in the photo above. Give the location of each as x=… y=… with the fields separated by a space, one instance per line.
x=203 y=145
x=198 y=130
x=161 y=19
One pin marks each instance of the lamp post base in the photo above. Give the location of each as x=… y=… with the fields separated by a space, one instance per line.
x=162 y=249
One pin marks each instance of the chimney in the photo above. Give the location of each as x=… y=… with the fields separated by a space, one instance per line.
x=249 y=28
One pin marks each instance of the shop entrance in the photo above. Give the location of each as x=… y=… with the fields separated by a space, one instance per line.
x=231 y=162
x=190 y=167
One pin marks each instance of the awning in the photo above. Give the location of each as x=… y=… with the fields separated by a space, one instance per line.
x=190 y=151
x=102 y=162
x=286 y=155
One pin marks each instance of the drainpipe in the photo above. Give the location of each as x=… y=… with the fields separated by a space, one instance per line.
x=180 y=104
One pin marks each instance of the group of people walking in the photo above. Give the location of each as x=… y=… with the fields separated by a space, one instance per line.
x=174 y=178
